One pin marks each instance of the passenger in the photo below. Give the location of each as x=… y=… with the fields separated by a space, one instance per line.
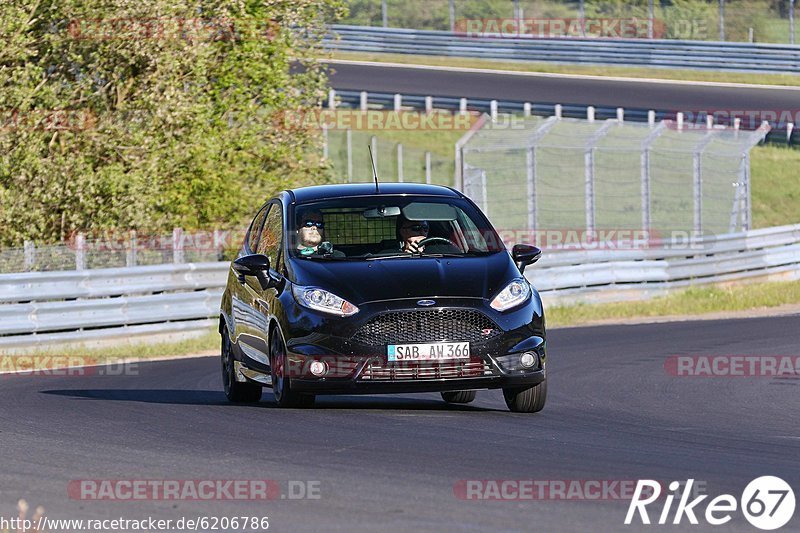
x=310 y=231
x=311 y=234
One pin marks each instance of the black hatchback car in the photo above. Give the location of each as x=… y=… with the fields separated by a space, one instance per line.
x=343 y=289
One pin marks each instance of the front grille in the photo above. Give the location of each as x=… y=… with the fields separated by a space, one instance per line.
x=428 y=325
x=471 y=368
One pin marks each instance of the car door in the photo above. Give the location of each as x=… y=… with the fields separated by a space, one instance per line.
x=270 y=243
x=247 y=320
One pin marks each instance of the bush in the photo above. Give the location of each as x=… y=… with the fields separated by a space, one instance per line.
x=179 y=123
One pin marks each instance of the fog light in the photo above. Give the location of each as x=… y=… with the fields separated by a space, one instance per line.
x=528 y=360
x=318 y=368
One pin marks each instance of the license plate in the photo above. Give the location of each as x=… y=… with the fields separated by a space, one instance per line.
x=440 y=351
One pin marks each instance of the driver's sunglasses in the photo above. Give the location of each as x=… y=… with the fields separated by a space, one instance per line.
x=417 y=227
x=311 y=223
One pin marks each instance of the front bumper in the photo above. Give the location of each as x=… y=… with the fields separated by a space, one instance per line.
x=487 y=368
x=354 y=366
x=357 y=386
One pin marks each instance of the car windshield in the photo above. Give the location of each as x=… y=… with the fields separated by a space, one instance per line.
x=382 y=227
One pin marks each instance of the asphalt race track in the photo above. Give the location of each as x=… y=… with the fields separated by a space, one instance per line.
x=391 y=462
x=554 y=90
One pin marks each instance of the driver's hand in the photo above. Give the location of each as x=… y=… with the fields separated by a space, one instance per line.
x=414 y=247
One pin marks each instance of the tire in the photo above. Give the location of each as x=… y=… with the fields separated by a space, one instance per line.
x=530 y=400
x=458 y=396
x=281 y=384
x=235 y=391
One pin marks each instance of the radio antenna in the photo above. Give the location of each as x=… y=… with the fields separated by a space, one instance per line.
x=374 y=171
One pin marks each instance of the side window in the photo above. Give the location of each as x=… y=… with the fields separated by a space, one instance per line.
x=255 y=228
x=269 y=243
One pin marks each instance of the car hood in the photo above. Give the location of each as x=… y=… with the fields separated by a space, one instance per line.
x=387 y=279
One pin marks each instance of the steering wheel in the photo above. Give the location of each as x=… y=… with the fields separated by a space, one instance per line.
x=428 y=240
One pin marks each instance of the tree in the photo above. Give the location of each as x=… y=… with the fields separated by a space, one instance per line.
x=148 y=115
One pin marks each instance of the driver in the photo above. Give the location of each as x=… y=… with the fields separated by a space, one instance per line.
x=410 y=233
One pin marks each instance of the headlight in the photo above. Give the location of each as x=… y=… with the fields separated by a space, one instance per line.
x=321 y=300
x=514 y=294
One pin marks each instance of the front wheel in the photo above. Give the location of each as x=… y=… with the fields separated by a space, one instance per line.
x=530 y=400
x=235 y=391
x=459 y=396
x=281 y=383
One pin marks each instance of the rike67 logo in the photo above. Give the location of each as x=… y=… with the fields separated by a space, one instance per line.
x=767 y=502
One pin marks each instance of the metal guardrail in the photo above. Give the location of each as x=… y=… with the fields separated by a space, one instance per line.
x=610 y=275
x=741 y=57
x=44 y=308
x=782 y=133
x=56 y=307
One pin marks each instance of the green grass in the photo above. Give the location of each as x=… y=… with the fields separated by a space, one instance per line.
x=693 y=301
x=775 y=176
x=205 y=344
x=588 y=70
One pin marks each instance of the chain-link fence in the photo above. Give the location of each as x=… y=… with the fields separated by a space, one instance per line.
x=769 y=21
x=395 y=160
x=559 y=173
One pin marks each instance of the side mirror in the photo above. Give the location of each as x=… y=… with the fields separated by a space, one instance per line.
x=255 y=265
x=524 y=255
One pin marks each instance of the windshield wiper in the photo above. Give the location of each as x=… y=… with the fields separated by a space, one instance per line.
x=392 y=256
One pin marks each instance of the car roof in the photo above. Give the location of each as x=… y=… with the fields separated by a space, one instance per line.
x=346 y=190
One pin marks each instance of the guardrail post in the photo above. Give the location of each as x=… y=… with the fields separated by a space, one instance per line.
x=428 y=167
x=400 y=162
x=349 y=139
x=493 y=110
x=709 y=121
x=177 y=245
x=679 y=118
x=130 y=257
x=29 y=255
x=80 y=252
x=462 y=106
x=557 y=110
x=651 y=118
x=398 y=102
x=332 y=99
x=363 y=102
x=428 y=104
x=590 y=113
x=620 y=115
x=531 y=168
x=526 y=109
